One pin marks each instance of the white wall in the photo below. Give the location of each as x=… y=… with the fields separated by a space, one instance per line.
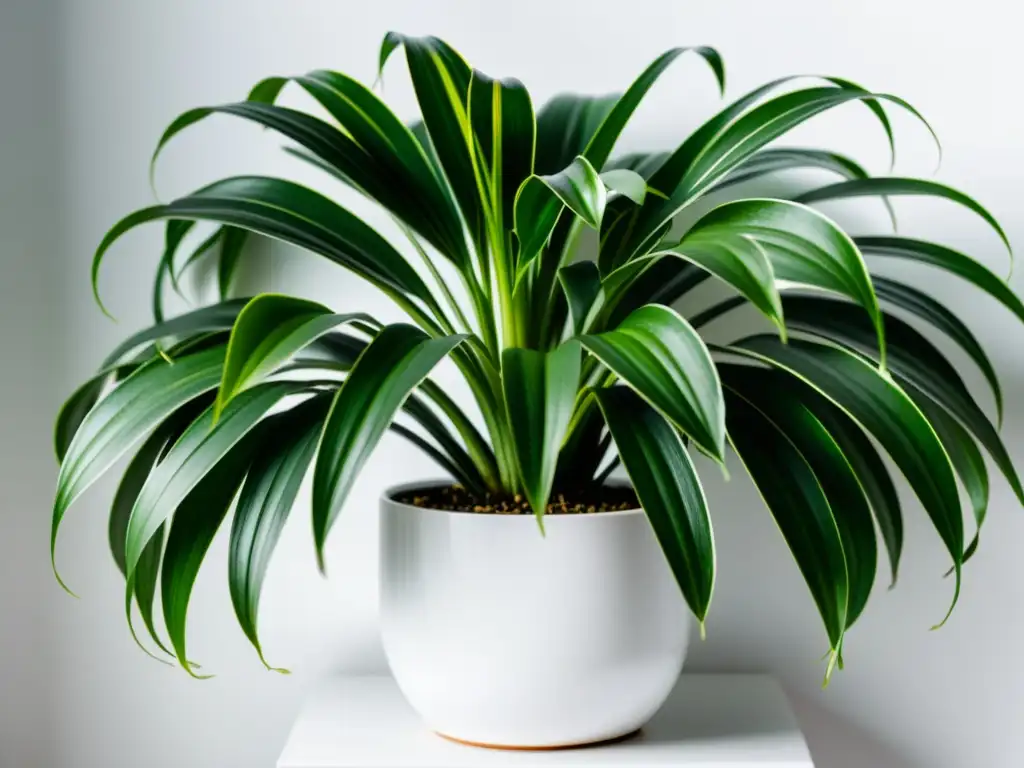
x=909 y=697
x=30 y=350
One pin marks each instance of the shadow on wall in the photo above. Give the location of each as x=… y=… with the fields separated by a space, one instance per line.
x=836 y=743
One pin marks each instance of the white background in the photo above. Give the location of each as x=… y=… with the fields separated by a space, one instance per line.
x=87 y=87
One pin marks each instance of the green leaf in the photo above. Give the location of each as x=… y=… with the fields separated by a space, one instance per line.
x=580 y=189
x=582 y=285
x=722 y=144
x=131 y=483
x=266 y=500
x=963 y=452
x=629 y=184
x=380 y=158
x=947 y=259
x=741 y=263
x=925 y=307
x=192 y=458
x=394 y=364
x=669 y=491
x=400 y=173
x=201 y=250
x=913 y=359
x=535 y=211
x=144 y=581
x=566 y=125
x=197 y=516
x=657 y=353
x=216 y=317
x=867 y=465
x=803 y=247
x=540 y=390
x=885 y=411
x=843 y=490
x=501 y=116
x=441 y=78
x=232 y=246
x=792 y=493
x=540 y=199
x=125 y=416
x=599 y=147
x=74 y=411
x=264 y=92
x=657 y=280
x=174 y=234
x=778 y=159
x=290 y=212
x=892 y=186
x=644 y=163
x=269 y=331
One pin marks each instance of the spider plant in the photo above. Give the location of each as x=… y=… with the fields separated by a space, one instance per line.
x=575 y=362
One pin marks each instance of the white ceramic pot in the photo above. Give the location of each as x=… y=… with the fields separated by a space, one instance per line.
x=500 y=637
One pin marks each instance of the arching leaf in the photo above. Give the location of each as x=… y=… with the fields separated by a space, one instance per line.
x=658 y=354
x=669 y=490
x=394 y=364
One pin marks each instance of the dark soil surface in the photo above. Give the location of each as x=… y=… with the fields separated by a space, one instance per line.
x=585 y=501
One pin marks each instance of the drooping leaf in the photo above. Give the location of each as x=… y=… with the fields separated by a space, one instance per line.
x=266 y=499
x=394 y=364
x=193 y=457
x=657 y=353
x=963 y=453
x=885 y=411
x=74 y=411
x=216 y=317
x=174 y=234
x=269 y=330
x=125 y=416
x=913 y=359
x=843 y=490
x=197 y=516
x=290 y=212
x=946 y=259
x=925 y=307
x=778 y=159
x=802 y=246
x=741 y=263
x=669 y=491
x=867 y=465
x=892 y=186
x=794 y=497
x=540 y=389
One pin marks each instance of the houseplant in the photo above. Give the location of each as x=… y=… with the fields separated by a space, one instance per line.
x=567 y=359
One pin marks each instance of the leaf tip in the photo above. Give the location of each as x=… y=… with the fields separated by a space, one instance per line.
x=63 y=585
x=833 y=660
x=956 y=597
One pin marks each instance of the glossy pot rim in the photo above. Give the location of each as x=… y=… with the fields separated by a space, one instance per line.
x=388 y=498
